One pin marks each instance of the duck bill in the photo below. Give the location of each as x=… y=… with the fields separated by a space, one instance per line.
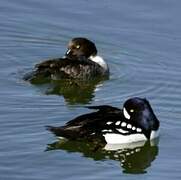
x=68 y=52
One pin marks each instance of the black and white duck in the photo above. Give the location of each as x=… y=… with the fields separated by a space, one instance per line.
x=135 y=122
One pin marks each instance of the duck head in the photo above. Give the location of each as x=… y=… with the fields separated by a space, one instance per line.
x=139 y=111
x=80 y=47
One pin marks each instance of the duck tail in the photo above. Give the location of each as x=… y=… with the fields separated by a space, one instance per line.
x=62 y=132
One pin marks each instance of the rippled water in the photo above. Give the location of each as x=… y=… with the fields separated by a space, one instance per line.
x=140 y=40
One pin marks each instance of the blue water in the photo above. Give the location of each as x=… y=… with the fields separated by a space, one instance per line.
x=140 y=40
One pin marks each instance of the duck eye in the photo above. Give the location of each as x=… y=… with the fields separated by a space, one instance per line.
x=77 y=46
x=132 y=110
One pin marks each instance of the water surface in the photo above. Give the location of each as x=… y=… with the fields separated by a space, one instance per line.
x=141 y=41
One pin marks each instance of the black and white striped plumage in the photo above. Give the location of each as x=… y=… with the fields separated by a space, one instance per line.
x=80 y=62
x=136 y=122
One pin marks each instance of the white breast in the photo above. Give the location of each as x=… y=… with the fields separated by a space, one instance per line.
x=154 y=134
x=99 y=60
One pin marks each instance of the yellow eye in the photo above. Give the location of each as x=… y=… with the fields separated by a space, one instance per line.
x=132 y=110
x=77 y=46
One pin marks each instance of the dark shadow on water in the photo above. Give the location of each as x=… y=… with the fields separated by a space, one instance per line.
x=73 y=91
x=134 y=158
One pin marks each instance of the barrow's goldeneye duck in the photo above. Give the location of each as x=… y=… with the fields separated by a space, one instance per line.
x=80 y=62
x=136 y=122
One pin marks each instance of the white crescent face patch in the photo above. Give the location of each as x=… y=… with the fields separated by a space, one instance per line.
x=126 y=114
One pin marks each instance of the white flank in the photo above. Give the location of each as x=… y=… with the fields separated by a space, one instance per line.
x=126 y=114
x=121 y=139
x=99 y=60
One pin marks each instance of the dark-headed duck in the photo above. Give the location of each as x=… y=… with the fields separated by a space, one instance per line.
x=80 y=62
x=135 y=122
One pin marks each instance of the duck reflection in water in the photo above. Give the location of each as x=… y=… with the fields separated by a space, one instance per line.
x=73 y=91
x=134 y=158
